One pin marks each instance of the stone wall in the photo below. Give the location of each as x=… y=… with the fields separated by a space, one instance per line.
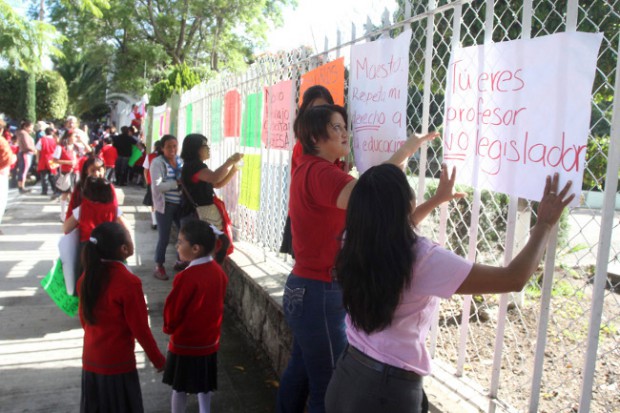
x=255 y=287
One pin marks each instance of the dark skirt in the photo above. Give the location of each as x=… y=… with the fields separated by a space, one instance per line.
x=191 y=374
x=111 y=393
x=148 y=198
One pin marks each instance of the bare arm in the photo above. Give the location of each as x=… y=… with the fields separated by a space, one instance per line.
x=411 y=145
x=399 y=158
x=70 y=224
x=213 y=177
x=487 y=279
x=227 y=178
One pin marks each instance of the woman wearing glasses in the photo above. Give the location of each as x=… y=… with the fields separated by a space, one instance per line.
x=312 y=300
x=199 y=181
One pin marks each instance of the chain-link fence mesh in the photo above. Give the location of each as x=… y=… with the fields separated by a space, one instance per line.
x=466 y=335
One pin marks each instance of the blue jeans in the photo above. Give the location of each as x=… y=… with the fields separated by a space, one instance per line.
x=164 y=225
x=314 y=312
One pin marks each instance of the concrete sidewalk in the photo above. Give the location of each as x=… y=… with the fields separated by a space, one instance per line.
x=40 y=347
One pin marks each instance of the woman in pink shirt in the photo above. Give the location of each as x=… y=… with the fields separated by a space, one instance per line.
x=392 y=280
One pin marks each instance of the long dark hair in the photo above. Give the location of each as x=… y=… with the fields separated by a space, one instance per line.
x=198 y=232
x=313 y=126
x=310 y=95
x=92 y=160
x=105 y=243
x=98 y=190
x=374 y=265
x=191 y=147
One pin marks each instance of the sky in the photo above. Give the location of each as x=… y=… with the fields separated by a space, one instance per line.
x=312 y=20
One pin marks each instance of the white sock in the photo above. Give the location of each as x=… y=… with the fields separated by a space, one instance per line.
x=204 y=402
x=153 y=219
x=63 y=209
x=178 y=401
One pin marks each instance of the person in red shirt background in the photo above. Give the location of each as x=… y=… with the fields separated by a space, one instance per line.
x=193 y=317
x=66 y=155
x=113 y=314
x=7 y=157
x=109 y=154
x=46 y=146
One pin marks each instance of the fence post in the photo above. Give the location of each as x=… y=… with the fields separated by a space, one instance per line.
x=602 y=256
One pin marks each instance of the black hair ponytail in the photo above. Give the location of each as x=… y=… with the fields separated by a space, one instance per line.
x=104 y=243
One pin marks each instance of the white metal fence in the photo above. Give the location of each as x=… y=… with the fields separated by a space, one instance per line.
x=556 y=346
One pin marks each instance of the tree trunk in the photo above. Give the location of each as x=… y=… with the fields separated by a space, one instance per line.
x=28 y=97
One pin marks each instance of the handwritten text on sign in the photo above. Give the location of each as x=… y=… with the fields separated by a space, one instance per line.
x=330 y=75
x=277 y=115
x=520 y=110
x=378 y=98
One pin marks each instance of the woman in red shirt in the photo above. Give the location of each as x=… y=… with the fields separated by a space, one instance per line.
x=113 y=314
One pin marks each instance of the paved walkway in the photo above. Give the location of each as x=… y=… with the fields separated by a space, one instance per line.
x=40 y=347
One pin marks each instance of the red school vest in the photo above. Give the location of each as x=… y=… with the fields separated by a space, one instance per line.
x=94 y=213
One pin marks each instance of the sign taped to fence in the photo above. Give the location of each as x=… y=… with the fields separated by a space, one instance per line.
x=277 y=115
x=249 y=195
x=232 y=113
x=330 y=75
x=517 y=111
x=378 y=98
x=251 y=127
x=216 y=120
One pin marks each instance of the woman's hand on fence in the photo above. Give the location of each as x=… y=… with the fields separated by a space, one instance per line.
x=414 y=141
x=445 y=189
x=553 y=203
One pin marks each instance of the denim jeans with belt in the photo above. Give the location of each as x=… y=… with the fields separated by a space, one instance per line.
x=164 y=225
x=314 y=312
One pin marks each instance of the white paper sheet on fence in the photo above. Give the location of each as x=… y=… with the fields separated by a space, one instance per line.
x=378 y=98
x=520 y=110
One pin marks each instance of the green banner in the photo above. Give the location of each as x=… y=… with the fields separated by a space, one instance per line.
x=216 y=120
x=54 y=284
x=136 y=154
x=189 y=119
x=249 y=195
x=252 y=126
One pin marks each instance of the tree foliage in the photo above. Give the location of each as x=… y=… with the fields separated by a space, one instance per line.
x=51 y=93
x=85 y=83
x=138 y=40
x=180 y=79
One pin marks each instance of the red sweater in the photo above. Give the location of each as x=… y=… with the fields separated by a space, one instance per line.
x=108 y=155
x=94 y=213
x=121 y=318
x=194 y=309
x=48 y=145
x=76 y=199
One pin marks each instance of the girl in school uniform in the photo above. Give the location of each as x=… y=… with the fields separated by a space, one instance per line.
x=113 y=314
x=98 y=205
x=193 y=317
x=66 y=155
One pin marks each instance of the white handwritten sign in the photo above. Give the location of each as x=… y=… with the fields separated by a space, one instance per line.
x=520 y=110
x=378 y=98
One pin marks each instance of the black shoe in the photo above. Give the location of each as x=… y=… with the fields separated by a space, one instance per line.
x=154 y=227
x=24 y=191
